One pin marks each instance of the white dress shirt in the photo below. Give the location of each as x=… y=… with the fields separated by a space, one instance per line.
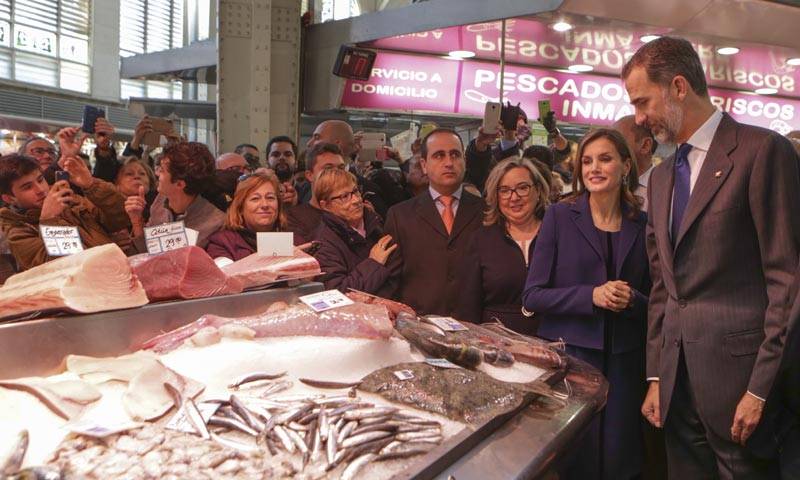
x=440 y=206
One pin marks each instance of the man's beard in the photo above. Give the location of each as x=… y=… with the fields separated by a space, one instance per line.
x=673 y=121
x=283 y=171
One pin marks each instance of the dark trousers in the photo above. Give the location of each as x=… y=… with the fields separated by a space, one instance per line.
x=695 y=452
x=612 y=446
x=790 y=455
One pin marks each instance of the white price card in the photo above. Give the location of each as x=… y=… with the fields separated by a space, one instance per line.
x=191 y=236
x=93 y=428
x=448 y=324
x=275 y=244
x=61 y=241
x=441 y=363
x=404 y=374
x=326 y=300
x=181 y=423
x=165 y=237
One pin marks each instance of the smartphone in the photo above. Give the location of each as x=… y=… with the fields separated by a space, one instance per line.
x=371 y=142
x=544 y=108
x=491 y=117
x=161 y=126
x=90 y=116
x=62 y=175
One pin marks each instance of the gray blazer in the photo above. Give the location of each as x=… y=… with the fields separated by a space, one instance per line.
x=723 y=291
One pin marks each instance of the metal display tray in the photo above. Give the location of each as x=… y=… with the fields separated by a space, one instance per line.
x=519 y=444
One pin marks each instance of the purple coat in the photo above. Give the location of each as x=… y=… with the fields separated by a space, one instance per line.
x=343 y=255
x=567 y=265
x=229 y=244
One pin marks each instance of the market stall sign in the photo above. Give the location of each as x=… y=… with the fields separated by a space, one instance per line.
x=321 y=301
x=403 y=82
x=165 y=237
x=61 y=241
x=275 y=244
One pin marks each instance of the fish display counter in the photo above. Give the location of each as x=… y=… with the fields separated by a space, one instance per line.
x=258 y=385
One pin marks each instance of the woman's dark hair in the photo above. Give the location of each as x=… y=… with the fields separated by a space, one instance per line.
x=191 y=162
x=13 y=167
x=630 y=202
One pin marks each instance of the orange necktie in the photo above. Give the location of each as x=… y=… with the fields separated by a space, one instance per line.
x=447 y=213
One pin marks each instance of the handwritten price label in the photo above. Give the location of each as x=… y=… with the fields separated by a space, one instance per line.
x=326 y=300
x=448 y=324
x=61 y=241
x=165 y=237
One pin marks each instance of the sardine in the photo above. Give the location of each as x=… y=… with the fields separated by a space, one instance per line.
x=270 y=445
x=295 y=437
x=356 y=440
x=254 y=377
x=339 y=424
x=276 y=387
x=391 y=446
x=233 y=444
x=410 y=436
x=196 y=419
x=323 y=422
x=297 y=427
x=241 y=409
x=331 y=445
x=283 y=436
x=317 y=446
x=347 y=430
x=363 y=413
x=375 y=420
x=232 y=424
x=12 y=462
x=386 y=427
x=329 y=385
x=401 y=454
x=352 y=470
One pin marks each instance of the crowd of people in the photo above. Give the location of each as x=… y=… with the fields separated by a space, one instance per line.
x=676 y=281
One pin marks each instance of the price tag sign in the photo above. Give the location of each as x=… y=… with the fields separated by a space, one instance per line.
x=404 y=375
x=441 y=363
x=165 y=237
x=448 y=324
x=326 y=300
x=275 y=244
x=61 y=241
x=95 y=429
x=181 y=423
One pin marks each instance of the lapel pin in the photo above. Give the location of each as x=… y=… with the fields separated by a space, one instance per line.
x=718 y=173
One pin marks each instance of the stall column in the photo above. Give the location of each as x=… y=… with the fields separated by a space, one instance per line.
x=257 y=71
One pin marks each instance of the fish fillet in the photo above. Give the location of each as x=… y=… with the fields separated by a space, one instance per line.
x=359 y=320
x=187 y=272
x=94 y=280
x=65 y=398
x=147 y=399
x=258 y=270
x=103 y=369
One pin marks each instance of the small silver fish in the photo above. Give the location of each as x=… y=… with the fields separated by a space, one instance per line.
x=352 y=470
x=317 y=445
x=362 y=413
x=232 y=424
x=323 y=422
x=12 y=462
x=249 y=418
x=331 y=445
x=283 y=436
x=295 y=437
x=233 y=444
x=254 y=377
x=347 y=430
x=196 y=419
x=276 y=387
x=363 y=438
x=329 y=385
x=410 y=436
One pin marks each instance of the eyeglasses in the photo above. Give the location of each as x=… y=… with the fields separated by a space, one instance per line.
x=346 y=197
x=42 y=151
x=522 y=190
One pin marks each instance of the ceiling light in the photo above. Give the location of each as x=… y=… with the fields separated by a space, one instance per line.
x=766 y=91
x=648 y=38
x=561 y=26
x=448 y=57
x=462 y=53
x=727 y=50
x=581 y=68
x=795 y=62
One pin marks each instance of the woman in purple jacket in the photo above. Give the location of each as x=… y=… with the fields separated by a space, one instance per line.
x=588 y=286
x=256 y=207
x=353 y=249
x=493 y=272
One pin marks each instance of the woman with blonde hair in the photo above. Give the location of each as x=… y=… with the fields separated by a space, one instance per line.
x=135 y=176
x=256 y=207
x=494 y=271
x=353 y=249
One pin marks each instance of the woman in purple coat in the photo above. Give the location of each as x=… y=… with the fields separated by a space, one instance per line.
x=256 y=207
x=588 y=286
x=352 y=247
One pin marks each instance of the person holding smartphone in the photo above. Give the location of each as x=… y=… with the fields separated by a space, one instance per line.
x=33 y=202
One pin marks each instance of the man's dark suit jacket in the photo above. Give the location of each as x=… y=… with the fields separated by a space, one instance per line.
x=425 y=263
x=723 y=290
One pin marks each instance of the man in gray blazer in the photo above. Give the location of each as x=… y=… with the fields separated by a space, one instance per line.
x=723 y=237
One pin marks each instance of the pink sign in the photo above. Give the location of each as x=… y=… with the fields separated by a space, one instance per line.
x=464 y=88
x=406 y=82
x=531 y=42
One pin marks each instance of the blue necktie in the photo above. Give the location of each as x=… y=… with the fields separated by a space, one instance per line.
x=680 y=194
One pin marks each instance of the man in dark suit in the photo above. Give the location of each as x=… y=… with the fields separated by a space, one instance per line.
x=722 y=238
x=433 y=229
